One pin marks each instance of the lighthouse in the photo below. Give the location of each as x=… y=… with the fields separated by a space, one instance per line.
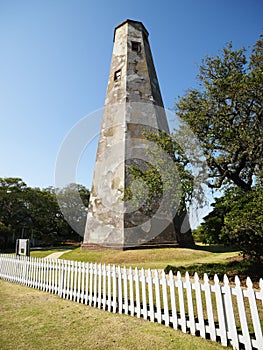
x=133 y=107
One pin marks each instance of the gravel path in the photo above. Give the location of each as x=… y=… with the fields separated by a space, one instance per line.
x=56 y=255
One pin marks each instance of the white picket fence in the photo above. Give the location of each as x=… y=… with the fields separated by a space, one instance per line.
x=213 y=310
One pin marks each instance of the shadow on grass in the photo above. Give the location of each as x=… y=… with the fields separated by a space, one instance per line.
x=214 y=248
x=242 y=268
x=56 y=248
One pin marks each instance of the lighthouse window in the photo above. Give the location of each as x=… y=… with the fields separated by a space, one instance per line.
x=136 y=46
x=117 y=75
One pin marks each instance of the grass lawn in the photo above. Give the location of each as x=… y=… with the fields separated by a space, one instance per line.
x=154 y=258
x=31 y=319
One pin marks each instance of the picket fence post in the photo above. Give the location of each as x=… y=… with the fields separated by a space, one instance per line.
x=137 y=292
x=254 y=314
x=120 y=304
x=165 y=299
x=199 y=304
x=144 y=300
x=242 y=314
x=150 y=292
x=231 y=323
x=220 y=311
x=99 y=285
x=125 y=289
x=157 y=296
x=173 y=300
x=131 y=285
x=209 y=308
x=182 y=319
x=104 y=301
x=114 y=289
x=189 y=294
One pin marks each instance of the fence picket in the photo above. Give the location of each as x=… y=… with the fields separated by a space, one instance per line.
x=174 y=319
x=150 y=292
x=90 y=283
x=109 y=287
x=220 y=311
x=43 y=275
x=182 y=319
x=144 y=300
x=95 y=284
x=104 y=300
x=131 y=285
x=82 y=297
x=55 y=282
x=125 y=289
x=231 y=322
x=87 y=283
x=165 y=300
x=79 y=269
x=38 y=273
x=137 y=293
x=68 y=282
x=56 y=274
x=114 y=289
x=99 y=286
x=242 y=314
x=157 y=297
x=74 y=280
x=254 y=314
x=120 y=305
x=61 y=279
x=199 y=304
x=47 y=270
x=209 y=308
x=189 y=295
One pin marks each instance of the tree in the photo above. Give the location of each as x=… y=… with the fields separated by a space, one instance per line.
x=237 y=220
x=226 y=115
x=73 y=201
x=163 y=180
x=243 y=224
x=27 y=212
x=209 y=231
x=13 y=210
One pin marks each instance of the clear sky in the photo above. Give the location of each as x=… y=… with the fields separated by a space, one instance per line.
x=55 y=60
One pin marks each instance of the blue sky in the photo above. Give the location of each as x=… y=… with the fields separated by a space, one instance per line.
x=55 y=59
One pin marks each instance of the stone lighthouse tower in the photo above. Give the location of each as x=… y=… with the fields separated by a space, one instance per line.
x=133 y=105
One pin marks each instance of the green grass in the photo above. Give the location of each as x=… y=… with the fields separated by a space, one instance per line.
x=30 y=319
x=153 y=258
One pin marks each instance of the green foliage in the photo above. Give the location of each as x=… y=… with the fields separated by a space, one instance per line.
x=165 y=172
x=164 y=182
x=237 y=220
x=31 y=212
x=226 y=115
x=243 y=223
x=73 y=201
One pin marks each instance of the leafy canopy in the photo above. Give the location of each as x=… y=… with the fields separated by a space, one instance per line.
x=236 y=220
x=225 y=114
